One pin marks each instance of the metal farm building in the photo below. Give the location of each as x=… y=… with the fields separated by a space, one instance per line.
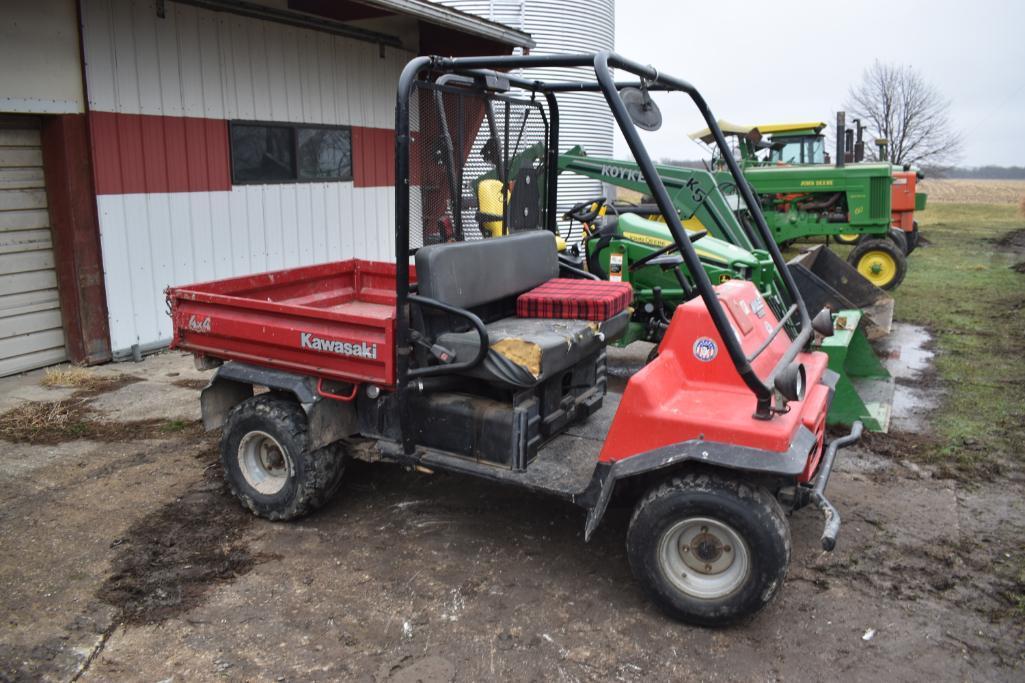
x=145 y=143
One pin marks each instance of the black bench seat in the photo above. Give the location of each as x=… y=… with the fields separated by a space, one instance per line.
x=480 y=276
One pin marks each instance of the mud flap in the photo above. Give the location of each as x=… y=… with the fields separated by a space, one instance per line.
x=233 y=383
x=788 y=464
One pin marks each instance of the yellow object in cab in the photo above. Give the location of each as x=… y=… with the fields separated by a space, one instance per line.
x=489 y=202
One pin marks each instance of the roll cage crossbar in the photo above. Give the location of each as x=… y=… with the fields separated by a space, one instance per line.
x=492 y=69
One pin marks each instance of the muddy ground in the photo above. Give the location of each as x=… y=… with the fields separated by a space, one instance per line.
x=122 y=557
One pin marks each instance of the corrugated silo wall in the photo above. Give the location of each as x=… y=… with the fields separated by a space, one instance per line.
x=564 y=26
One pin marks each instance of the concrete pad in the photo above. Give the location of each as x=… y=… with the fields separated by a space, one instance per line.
x=26 y=387
x=145 y=401
x=166 y=367
x=20 y=459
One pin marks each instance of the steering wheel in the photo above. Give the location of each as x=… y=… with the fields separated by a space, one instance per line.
x=583 y=212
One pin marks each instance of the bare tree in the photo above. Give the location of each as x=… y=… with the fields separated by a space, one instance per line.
x=898 y=104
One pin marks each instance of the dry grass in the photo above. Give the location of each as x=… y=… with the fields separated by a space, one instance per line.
x=967 y=191
x=66 y=376
x=87 y=382
x=53 y=422
x=45 y=422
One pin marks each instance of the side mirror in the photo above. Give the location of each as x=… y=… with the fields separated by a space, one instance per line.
x=642 y=109
x=823 y=323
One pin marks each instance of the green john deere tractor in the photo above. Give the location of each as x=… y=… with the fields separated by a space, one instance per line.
x=804 y=195
x=803 y=144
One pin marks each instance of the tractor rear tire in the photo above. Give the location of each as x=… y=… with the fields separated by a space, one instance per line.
x=268 y=464
x=900 y=238
x=880 y=261
x=912 y=238
x=709 y=549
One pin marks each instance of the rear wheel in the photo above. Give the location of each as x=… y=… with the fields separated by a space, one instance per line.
x=912 y=238
x=899 y=238
x=880 y=261
x=709 y=550
x=653 y=354
x=847 y=238
x=268 y=464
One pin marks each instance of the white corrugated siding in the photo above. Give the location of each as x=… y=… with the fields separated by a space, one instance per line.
x=40 y=65
x=217 y=65
x=31 y=331
x=561 y=27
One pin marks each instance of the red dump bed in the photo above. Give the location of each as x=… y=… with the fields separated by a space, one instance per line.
x=335 y=320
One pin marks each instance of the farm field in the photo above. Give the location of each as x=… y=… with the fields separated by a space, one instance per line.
x=970 y=191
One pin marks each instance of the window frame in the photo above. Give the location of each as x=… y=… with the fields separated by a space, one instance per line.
x=294 y=130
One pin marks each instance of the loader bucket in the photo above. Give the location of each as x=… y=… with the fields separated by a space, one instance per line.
x=865 y=388
x=826 y=280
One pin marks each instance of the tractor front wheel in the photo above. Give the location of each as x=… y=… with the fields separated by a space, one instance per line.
x=881 y=261
x=709 y=550
x=847 y=238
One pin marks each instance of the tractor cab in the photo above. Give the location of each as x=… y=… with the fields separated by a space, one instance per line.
x=795 y=143
x=775 y=144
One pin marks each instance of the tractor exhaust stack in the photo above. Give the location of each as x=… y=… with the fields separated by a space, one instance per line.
x=841 y=138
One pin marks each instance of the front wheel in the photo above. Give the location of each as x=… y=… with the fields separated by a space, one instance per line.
x=881 y=261
x=709 y=550
x=847 y=237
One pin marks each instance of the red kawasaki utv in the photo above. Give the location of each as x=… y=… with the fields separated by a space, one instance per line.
x=485 y=355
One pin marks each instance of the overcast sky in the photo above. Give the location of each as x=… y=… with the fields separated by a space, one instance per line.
x=790 y=60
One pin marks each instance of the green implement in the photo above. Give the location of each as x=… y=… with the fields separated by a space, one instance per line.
x=865 y=388
x=632 y=248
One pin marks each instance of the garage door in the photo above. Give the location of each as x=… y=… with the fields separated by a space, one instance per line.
x=31 y=334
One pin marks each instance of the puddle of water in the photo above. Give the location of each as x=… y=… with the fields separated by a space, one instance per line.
x=903 y=350
x=904 y=354
x=911 y=408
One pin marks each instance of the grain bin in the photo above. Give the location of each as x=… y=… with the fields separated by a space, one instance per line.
x=562 y=26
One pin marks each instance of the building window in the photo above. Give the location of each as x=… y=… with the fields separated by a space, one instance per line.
x=289 y=153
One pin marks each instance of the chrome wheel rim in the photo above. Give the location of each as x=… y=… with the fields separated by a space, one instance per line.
x=263 y=462
x=704 y=558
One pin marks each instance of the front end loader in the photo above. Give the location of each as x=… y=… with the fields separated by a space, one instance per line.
x=620 y=243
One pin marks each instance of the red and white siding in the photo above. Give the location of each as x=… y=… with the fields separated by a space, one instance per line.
x=160 y=95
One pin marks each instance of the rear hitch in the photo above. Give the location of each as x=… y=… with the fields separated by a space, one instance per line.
x=818 y=492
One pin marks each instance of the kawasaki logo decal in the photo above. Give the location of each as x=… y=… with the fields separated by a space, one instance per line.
x=308 y=340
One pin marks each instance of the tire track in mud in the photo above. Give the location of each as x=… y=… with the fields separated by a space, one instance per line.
x=167 y=562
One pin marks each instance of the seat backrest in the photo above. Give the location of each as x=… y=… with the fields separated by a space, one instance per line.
x=468 y=274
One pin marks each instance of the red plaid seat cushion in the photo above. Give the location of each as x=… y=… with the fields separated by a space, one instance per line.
x=577 y=299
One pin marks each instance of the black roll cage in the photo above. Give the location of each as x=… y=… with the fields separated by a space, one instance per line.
x=498 y=68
